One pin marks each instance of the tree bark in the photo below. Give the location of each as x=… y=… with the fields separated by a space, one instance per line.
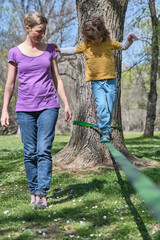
x=84 y=149
x=152 y=96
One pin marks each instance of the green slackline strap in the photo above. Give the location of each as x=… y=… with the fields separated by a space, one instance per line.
x=92 y=125
x=147 y=189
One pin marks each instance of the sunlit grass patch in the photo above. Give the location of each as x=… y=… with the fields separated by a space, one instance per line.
x=83 y=205
x=143 y=147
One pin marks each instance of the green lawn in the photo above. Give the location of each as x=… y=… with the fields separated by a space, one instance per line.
x=85 y=205
x=144 y=148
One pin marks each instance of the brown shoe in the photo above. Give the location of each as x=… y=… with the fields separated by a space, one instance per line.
x=33 y=199
x=41 y=203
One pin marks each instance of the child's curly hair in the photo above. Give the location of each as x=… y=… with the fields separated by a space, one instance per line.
x=93 y=26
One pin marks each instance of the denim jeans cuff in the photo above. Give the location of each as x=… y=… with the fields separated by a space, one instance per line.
x=33 y=192
x=41 y=194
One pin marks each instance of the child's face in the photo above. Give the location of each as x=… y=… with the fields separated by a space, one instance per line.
x=97 y=39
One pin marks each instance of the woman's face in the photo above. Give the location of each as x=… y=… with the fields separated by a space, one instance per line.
x=37 y=32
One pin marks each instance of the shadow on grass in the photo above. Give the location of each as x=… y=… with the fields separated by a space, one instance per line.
x=6 y=154
x=156 y=236
x=69 y=214
x=83 y=188
x=153 y=174
x=7 y=158
x=73 y=213
x=126 y=194
x=77 y=213
x=144 y=147
x=58 y=147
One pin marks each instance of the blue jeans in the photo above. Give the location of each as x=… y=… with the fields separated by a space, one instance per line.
x=37 y=134
x=105 y=93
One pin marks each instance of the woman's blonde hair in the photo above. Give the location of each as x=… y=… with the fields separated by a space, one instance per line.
x=34 y=18
x=93 y=26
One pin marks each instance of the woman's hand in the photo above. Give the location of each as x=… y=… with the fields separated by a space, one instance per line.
x=8 y=92
x=5 y=119
x=68 y=114
x=58 y=83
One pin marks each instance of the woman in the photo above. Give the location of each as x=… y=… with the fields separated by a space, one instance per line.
x=37 y=103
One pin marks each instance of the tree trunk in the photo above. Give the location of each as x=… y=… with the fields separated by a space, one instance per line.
x=152 y=96
x=84 y=149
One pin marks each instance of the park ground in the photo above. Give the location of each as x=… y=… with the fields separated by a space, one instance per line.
x=97 y=204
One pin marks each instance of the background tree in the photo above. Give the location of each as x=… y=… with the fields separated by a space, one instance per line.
x=145 y=68
x=152 y=96
x=61 y=15
x=84 y=149
x=135 y=84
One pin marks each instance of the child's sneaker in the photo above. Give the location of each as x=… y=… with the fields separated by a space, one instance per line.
x=106 y=137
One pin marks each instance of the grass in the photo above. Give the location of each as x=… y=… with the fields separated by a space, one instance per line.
x=85 y=205
x=144 y=148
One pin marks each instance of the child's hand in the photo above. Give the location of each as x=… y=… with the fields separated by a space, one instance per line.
x=56 y=47
x=132 y=37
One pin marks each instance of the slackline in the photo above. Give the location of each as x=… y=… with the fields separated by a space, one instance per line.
x=147 y=189
x=92 y=125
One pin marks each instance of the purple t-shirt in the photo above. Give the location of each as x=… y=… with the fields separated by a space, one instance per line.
x=36 y=91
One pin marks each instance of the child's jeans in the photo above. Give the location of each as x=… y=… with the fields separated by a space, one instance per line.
x=37 y=133
x=105 y=93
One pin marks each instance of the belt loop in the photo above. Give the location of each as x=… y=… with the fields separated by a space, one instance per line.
x=102 y=81
x=106 y=82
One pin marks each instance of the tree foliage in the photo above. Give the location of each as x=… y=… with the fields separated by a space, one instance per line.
x=141 y=21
